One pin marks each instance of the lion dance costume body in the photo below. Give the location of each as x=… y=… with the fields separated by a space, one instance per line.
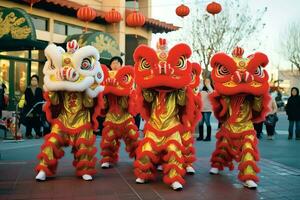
x=119 y=122
x=164 y=97
x=71 y=84
x=240 y=98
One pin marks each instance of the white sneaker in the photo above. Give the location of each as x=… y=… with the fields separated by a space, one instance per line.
x=176 y=186
x=190 y=170
x=159 y=168
x=250 y=184
x=214 y=170
x=105 y=165
x=41 y=176
x=87 y=177
x=139 y=180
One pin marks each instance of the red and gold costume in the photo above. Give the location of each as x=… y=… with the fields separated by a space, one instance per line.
x=119 y=122
x=71 y=83
x=240 y=98
x=162 y=79
x=194 y=109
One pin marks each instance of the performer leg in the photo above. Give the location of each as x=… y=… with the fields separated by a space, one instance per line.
x=249 y=155
x=173 y=169
x=109 y=146
x=84 y=154
x=131 y=139
x=146 y=158
x=51 y=151
x=221 y=156
x=189 y=152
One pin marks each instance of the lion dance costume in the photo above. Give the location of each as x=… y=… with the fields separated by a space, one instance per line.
x=162 y=79
x=71 y=83
x=119 y=123
x=240 y=98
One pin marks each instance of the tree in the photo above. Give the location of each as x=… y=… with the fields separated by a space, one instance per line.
x=291 y=44
x=235 y=25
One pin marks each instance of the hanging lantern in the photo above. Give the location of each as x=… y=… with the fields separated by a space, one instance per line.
x=182 y=11
x=86 y=14
x=31 y=2
x=214 y=8
x=135 y=19
x=113 y=16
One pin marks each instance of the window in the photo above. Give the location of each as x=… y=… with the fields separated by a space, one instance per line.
x=74 y=30
x=60 y=28
x=40 y=23
x=66 y=29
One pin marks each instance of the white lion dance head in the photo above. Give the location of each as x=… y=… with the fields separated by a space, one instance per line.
x=78 y=69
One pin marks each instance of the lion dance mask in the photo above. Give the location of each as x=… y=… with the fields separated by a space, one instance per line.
x=71 y=85
x=240 y=98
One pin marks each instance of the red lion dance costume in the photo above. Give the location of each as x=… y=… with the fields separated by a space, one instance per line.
x=187 y=136
x=71 y=83
x=162 y=80
x=119 y=123
x=240 y=98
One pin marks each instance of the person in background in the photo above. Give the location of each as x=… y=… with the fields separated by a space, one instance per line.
x=32 y=110
x=293 y=112
x=271 y=120
x=2 y=99
x=206 y=110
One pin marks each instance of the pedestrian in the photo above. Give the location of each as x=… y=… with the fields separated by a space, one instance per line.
x=271 y=120
x=32 y=109
x=293 y=112
x=2 y=98
x=206 y=110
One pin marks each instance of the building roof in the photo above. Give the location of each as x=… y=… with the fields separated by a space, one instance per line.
x=70 y=8
x=156 y=25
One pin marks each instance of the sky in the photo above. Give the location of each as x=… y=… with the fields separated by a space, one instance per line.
x=279 y=14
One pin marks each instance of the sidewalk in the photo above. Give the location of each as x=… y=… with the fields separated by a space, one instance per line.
x=278 y=181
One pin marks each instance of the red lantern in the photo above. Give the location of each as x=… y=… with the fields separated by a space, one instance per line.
x=214 y=8
x=135 y=19
x=182 y=10
x=113 y=16
x=86 y=14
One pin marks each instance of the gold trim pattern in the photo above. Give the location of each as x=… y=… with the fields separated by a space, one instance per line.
x=11 y=24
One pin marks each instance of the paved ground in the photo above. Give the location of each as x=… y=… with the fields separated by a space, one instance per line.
x=280 y=176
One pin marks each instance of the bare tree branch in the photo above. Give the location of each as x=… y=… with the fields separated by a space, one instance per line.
x=222 y=32
x=291 y=44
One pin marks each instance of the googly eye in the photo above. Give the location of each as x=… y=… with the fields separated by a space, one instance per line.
x=144 y=64
x=86 y=64
x=125 y=78
x=181 y=64
x=222 y=70
x=259 y=72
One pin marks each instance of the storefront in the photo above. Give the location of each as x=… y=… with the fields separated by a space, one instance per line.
x=20 y=54
x=26 y=30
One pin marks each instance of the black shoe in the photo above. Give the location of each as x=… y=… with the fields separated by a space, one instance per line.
x=199 y=139
x=207 y=139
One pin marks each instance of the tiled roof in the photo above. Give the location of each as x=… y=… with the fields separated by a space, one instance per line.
x=71 y=8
